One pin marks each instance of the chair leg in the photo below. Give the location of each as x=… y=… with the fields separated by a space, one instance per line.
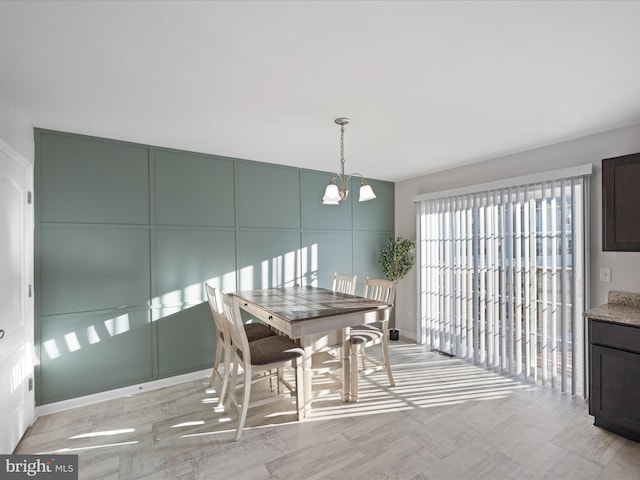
x=232 y=387
x=225 y=377
x=216 y=362
x=387 y=364
x=245 y=401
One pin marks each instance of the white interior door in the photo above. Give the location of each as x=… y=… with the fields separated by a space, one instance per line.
x=17 y=400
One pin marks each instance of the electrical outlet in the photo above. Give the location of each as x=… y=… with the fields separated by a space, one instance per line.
x=605 y=274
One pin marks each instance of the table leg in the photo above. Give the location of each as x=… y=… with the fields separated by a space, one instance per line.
x=300 y=389
x=346 y=364
x=304 y=389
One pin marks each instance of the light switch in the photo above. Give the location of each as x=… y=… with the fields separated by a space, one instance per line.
x=605 y=274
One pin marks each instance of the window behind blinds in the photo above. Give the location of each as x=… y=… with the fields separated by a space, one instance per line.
x=501 y=278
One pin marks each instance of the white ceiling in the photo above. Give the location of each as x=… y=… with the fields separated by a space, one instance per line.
x=427 y=85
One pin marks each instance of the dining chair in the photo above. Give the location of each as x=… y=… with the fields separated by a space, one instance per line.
x=255 y=331
x=344 y=283
x=367 y=335
x=259 y=360
x=325 y=359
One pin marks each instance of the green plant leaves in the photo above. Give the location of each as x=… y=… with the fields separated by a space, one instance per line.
x=396 y=259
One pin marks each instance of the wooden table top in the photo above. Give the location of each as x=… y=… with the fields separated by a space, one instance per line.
x=307 y=302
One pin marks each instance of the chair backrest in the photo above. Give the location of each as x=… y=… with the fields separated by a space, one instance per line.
x=343 y=283
x=379 y=289
x=215 y=304
x=239 y=341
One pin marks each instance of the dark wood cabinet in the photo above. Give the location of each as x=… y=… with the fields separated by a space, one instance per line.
x=620 y=201
x=614 y=387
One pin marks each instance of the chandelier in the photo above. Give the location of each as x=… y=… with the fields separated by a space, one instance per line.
x=334 y=193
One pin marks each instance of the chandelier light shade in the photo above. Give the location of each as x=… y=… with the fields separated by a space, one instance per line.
x=338 y=188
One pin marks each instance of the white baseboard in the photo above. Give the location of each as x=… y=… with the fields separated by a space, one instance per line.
x=119 y=392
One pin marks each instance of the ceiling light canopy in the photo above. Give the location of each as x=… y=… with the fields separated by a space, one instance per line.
x=335 y=193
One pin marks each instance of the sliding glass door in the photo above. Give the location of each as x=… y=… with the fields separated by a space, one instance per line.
x=502 y=278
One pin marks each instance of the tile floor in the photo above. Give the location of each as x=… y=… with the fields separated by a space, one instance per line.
x=444 y=419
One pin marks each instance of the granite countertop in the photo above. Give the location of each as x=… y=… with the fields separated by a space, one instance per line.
x=622 y=308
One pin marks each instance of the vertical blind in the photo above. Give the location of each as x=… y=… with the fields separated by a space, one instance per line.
x=502 y=278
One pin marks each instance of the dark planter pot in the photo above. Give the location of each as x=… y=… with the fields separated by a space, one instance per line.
x=394 y=334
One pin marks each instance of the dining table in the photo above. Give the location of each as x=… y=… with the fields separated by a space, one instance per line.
x=305 y=312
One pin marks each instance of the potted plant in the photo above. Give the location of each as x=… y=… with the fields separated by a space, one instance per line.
x=396 y=259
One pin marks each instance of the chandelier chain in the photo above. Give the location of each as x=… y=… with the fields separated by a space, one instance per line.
x=342 y=149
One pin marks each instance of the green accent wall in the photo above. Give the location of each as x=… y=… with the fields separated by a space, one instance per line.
x=127 y=233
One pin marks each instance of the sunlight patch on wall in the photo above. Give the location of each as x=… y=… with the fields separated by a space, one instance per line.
x=51 y=348
x=246 y=278
x=309 y=261
x=173 y=302
x=229 y=281
x=71 y=339
x=227 y=284
x=171 y=298
x=118 y=325
x=92 y=335
x=264 y=281
x=279 y=271
x=289 y=273
x=192 y=294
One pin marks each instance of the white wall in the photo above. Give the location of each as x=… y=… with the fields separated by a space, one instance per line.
x=592 y=149
x=15 y=129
